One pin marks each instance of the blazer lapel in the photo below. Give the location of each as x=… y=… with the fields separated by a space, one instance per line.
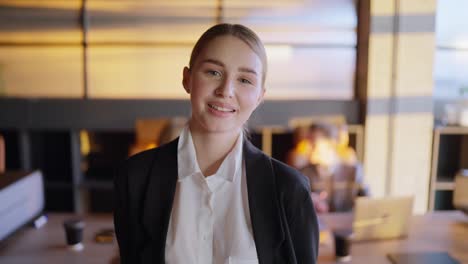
x=263 y=203
x=158 y=202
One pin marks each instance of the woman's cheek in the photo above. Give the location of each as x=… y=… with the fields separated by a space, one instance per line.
x=247 y=99
x=255 y=98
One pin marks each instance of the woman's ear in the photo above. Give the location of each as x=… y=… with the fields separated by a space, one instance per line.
x=186 y=79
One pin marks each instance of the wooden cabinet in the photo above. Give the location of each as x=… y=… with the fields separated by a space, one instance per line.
x=449 y=156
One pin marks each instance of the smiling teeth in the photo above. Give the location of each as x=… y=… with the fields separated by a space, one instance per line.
x=219 y=108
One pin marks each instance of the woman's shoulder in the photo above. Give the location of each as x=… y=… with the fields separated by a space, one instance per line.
x=143 y=160
x=131 y=175
x=293 y=188
x=286 y=177
x=289 y=178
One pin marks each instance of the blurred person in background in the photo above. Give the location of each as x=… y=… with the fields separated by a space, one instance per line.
x=323 y=155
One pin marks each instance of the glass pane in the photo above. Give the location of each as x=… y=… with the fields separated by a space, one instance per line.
x=297 y=21
x=150 y=21
x=450 y=73
x=137 y=72
x=41 y=71
x=451 y=23
x=40 y=21
x=310 y=73
x=294 y=73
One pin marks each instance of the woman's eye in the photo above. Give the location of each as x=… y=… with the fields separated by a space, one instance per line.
x=242 y=80
x=214 y=73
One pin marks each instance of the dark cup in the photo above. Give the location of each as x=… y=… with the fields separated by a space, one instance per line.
x=343 y=239
x=74 y=232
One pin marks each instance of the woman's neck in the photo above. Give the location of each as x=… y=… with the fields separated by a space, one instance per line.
x=212 y=148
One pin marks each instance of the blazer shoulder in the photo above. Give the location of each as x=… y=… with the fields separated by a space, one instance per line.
x=138 y=160
x=288 y=178
x=141 y=163
x=148 y=155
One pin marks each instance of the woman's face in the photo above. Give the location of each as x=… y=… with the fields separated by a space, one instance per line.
x=225 y=85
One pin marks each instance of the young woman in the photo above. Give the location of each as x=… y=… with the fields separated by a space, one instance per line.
x=210 y=196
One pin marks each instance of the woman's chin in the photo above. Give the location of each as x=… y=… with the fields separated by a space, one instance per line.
x=220 y=129
x=215 y=126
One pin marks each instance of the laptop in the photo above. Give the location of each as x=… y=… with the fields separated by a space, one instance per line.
x=381 y=218
x=422 y=258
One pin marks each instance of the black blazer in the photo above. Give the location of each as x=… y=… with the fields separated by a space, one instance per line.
x=284 y=221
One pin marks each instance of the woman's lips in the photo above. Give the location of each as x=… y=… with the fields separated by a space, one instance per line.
x=222 y=107
x=221 y=110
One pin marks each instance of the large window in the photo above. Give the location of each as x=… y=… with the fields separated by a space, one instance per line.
x=137 y=49
x=451 y=57
x=310 y=45
x=41 y=53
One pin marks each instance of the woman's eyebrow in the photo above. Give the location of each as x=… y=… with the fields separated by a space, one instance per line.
x=219 y=63
x=248 y=70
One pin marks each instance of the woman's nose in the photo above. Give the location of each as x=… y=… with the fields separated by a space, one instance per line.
x=225 y=89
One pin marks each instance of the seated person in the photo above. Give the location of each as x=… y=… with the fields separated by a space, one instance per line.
x=307 y=142
x=335 y=175
x=344 y=151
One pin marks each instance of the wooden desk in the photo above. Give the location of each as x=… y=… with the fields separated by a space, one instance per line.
x=434 y=232
x=440 y=231
x=48 y=245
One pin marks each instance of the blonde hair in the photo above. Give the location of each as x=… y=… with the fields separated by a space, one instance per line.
x=239 y=31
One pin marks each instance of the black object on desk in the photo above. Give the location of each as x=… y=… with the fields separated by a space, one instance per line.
x=422 y=258
x=74 y=233
x=343 y=239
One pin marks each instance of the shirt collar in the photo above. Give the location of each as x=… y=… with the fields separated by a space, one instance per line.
x=186 y=155
x=232 y=164
x=187 y=158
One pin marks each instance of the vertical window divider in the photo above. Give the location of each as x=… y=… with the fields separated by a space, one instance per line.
x=84 y=29
x=219 y=13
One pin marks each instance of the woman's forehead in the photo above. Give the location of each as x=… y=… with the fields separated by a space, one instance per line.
x=230 y=50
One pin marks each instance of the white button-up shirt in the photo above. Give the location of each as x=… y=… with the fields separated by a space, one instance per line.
x=210 y=218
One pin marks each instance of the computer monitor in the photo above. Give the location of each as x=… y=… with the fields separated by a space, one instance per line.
x=22 y=199
x=381 y=218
